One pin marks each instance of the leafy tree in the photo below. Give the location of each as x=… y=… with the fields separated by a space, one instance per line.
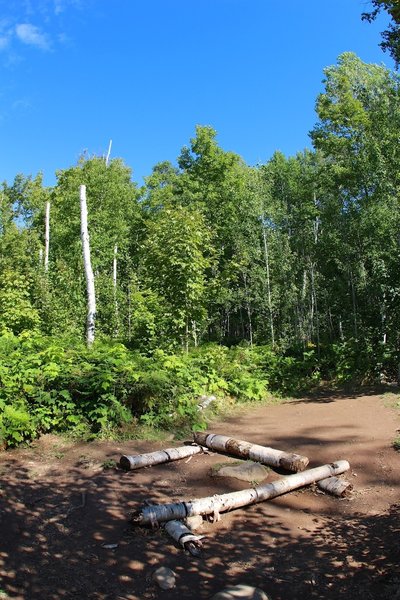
x=391 y=36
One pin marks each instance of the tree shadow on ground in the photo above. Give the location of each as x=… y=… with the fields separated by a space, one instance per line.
x=55 y=529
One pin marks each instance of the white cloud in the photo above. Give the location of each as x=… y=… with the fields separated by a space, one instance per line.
x=4 y=41
x=31 y=35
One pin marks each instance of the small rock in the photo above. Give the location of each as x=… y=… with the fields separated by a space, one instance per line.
x=246 y=471
x=242 y=591
x=194 y=523
x=164 y=578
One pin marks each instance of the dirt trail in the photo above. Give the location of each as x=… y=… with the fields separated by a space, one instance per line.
x=59 y=504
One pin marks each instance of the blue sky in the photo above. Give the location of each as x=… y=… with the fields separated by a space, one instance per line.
x=77 y=73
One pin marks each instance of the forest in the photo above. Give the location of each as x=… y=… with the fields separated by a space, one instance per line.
x=213 y=278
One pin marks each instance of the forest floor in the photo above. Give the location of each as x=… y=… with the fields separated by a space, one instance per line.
x=62 y=501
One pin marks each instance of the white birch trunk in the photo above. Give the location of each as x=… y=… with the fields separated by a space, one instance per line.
x=91 y=295
x=108 y=153
x=115 y=289
x=47 y=238
x=269 y=296
x=160 y=456
x=214 y=505
x=185 y=537
x=335 y=486
x=261 y=454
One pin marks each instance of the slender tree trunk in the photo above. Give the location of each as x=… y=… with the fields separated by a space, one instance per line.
x=269 y=296
x=248 y=309
x=353 y=299
x=213 y=505
x=115 y=290
x=47 y=238
x=315 y=303
x=129 y=313
x=108 y=153
x=90 y=289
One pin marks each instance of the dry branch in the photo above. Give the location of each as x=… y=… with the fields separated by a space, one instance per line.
x=335 y=486
x=261 y=454
x=160 y=456
x=213 y=505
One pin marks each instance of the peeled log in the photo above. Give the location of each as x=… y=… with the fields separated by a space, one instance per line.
x=261 y=454
x=220 y=503
x=335 y=486
x=186 y=538
x=160 y=456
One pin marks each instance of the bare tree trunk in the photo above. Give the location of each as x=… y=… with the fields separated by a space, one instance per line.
x=47 y=238
x=269 y=296
x=261 y=454
x=220 y=503
x=91 y=294
x=115 y=289
x=315 y=303
x=108 y=153
x=248 y=309
x=353 y=298
x=160 y=456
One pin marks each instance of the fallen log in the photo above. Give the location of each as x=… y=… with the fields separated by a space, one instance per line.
x=155 y=458
x=185 y=537
x=335 y=486
x=213 y=505
x=261 y=454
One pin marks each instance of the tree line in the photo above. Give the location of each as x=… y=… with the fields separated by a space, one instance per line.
x=301 y=250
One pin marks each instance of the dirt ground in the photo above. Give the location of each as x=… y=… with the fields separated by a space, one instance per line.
x=60 y=502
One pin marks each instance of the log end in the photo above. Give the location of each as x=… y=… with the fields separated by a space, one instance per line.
x=200 y=437
x=125 y=463
x=294 y=462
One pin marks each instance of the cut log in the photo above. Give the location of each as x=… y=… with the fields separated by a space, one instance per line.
x=155 y=458
x=185 y=537
x=261 y=454
x=335 y=486
x=213 y=505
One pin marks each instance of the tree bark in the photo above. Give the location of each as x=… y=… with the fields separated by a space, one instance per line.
x=47 y=237
x=269 y=296
x=213 y=505
x=160 y=456
x=335 y=486
x=115 y=259
x=91 y=295
x=261 y=454
x=185 y=537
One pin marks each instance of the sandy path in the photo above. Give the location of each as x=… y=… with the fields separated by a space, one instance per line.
x=301 y=545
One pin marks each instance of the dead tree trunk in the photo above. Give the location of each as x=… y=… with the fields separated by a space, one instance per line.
x=47 y=237
x=160 y=456
x=335 y=486
x=186 y=538
x=214 y=505
x=261 y=454
x=91 y=295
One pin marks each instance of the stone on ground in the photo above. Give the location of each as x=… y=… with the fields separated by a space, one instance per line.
x=165 y=578
x=246 y=471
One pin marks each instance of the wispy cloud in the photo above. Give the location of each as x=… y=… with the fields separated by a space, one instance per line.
x=4 y=41
x=31 y=35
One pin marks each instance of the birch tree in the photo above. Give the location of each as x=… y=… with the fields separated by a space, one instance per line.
x=90 y=289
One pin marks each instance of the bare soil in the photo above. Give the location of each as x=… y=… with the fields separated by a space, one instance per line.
x=60 y=504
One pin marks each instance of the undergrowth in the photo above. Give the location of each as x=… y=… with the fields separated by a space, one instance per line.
x=48 y=385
